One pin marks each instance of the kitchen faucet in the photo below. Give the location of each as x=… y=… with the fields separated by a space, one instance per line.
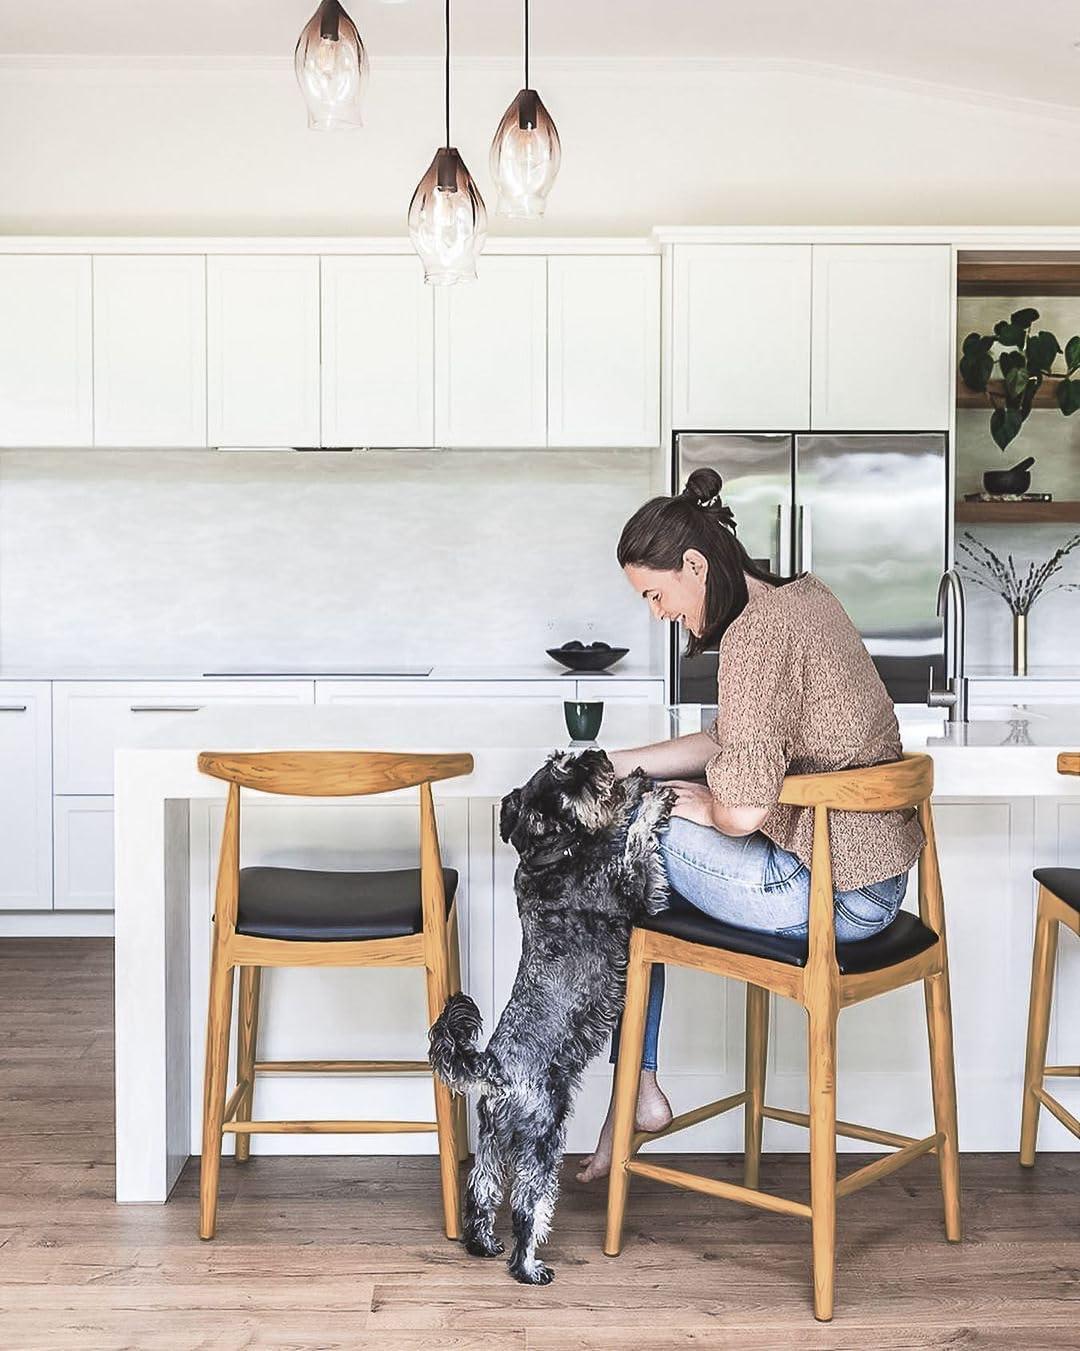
x=954 y=696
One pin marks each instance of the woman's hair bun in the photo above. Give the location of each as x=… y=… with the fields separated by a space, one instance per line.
x=703 y=488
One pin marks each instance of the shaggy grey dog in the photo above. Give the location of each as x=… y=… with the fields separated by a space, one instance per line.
x=589 y=865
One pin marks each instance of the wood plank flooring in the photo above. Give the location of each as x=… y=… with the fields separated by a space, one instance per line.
x=346 y=1253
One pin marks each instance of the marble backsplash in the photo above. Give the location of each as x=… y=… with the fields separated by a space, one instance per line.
x=203 y=559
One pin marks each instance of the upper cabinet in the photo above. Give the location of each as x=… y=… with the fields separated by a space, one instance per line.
x=149 y=351
x=263 y=350
x=378 y=331
x=603 y=351
x=46 y=361
x=491 y=357
x=741 y=337
x=882 y=325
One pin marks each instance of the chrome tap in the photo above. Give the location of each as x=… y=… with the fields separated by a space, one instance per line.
x=954 y=696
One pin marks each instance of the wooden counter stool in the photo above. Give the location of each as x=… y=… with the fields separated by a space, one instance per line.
x=298 y=917
x=825 y=977
x=1059 y=903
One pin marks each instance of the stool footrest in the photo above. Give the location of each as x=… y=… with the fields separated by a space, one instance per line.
x=728 y=1191
x=342 y=1067
x=691 y=1118
x=862 y=1177
x=1063 y=1071
x=848 y=1129
x=327 y=1127
x=1062 y=1113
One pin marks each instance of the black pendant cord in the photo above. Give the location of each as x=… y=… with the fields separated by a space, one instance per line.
x=447 y=141
x=526 y=44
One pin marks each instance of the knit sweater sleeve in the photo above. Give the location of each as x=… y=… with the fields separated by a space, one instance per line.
x=760 y=703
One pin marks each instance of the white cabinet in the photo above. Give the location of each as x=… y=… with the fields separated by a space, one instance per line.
x=378 y=327
x=25 y=797
x=263 y=350
x=149 y=351
x=83 y=853
x=882 y=326
x=603 y=351
x=741 y=337
x=491 y=357
x=45 y=350
x=622 y=691
x=361 y=691
x=91 y=718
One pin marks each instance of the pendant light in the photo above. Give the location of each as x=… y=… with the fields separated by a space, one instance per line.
x=526 y=152
x=331 y=69
x=447 y=217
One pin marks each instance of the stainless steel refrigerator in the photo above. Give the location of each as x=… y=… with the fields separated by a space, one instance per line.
x=864 y=512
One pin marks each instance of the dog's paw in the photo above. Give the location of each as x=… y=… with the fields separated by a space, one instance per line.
x=532 y=1273
x=480 y=1247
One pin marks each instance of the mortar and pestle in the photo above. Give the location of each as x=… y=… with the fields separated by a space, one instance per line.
x=1014 y=480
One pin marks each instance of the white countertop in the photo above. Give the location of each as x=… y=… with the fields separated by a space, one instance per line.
x=543 y=670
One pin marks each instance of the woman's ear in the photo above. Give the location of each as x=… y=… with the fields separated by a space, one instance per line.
x=696 y=561
x=508 y=814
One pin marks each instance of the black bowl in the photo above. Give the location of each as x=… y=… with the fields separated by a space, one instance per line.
x=587 y=658
x=1014 y=480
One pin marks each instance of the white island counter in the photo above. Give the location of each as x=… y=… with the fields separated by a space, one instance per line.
x=1000 y=806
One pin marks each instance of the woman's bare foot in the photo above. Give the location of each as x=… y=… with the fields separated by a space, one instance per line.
x=653 y=1114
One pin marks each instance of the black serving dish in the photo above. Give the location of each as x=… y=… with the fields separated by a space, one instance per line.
x=587 y=658
x=1014 y=480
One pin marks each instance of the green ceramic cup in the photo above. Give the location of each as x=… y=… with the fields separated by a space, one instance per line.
x=583 y=718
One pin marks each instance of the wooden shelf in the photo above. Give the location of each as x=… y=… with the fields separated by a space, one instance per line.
x=1017 y=513
x=969 y=398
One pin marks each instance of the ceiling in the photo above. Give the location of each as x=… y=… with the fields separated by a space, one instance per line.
x=995 y=47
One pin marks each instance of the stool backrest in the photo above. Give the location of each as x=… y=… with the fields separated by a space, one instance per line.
x=893 y=786
x=332 y=774
x=1069 y=762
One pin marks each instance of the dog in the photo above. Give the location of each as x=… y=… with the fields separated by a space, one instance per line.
x=588 y=867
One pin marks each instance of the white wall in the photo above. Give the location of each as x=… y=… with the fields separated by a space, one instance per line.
x=175 y=146
x=203 y=559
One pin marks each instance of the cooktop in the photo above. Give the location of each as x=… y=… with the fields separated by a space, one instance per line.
x=315 y=672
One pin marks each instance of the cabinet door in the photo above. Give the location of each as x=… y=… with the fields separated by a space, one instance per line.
x=882 y=323
x=263 y=351
x=490 y=357
x=149 y=351
x=741 y=337
x=45 y=351
x=378 y=374
x=83 y=856
x=603 y=351
x=366 y=691
x=25 y=797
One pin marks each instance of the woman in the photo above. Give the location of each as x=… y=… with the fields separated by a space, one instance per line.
x=797 y=694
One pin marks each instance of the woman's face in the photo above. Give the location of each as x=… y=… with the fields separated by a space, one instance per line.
x=678 y=595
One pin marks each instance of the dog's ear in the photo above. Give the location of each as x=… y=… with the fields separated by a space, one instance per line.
x=508 y=814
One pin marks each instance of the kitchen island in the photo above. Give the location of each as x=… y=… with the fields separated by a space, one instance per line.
x=1000 y=808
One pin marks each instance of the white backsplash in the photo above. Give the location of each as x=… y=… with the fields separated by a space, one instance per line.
x=205 y=559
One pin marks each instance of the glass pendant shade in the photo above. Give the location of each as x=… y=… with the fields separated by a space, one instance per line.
x=331 y=69
x=525 y=157
x=447 y=220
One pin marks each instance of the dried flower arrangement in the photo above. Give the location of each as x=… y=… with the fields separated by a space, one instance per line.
x=1018 y=591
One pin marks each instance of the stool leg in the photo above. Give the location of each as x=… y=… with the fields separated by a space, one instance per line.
x=757 y=1044
x=247 y=1031
x=821 y=1063
x=461 y=1104
x=219 y=1016
x=446 y=1114
x=943 y=1084
x=627 y=1081
x=1042 y=989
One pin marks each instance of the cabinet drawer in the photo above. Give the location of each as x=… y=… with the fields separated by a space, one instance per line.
x=622 y=691
x=90 y=719
x=358 y=691
x=83 y=853
x=25 y=797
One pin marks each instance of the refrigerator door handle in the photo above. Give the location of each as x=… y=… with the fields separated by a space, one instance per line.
x=783 y=541
x=806 y=540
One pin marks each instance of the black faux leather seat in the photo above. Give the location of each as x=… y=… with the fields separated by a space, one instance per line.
x=905 y=937
x=1063 y=882
x=316 y=906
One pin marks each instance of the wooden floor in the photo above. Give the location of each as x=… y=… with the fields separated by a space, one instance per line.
x=346 y=1252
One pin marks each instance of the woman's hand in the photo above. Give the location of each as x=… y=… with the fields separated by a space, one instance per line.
x=693 y=801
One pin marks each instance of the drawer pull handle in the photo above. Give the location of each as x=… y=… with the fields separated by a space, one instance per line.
x=12 y=708
x=166 y=708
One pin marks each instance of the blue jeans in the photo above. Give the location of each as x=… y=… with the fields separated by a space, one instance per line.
x=752 y=883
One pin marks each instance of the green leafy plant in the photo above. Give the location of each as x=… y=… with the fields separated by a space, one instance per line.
x=1024 y=360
